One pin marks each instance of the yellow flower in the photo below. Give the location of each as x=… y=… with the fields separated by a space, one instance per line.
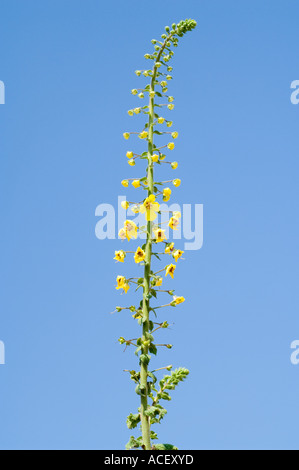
x=150 y=207
x=162 y=157
x=125 y=205
x=138 y=73
x=143 y=135
x=160 y=235
x=122 y=234
x=163 y=83
x=152 y=94
x=161 y=120
x=135 y=209
x=170 y=106
x=137 y=315
x=122 y=283
x=176 y=183
x=171 y=145
x=170 y=99
x=130 y=229
x=126 y=287
x=126 y=135
x=169 y=123
x=132 y=162
x=178 y=300
x=137 y=110
x=131 y=112
x=177 y=214
x=175 y=135
x=134 y=92
x=136 y=183
x=158 y=282
x=166 y=194
x=125 y=183
x=169 y=248
x=173 y=223
x=120 y=256
x=174 y=165
x=130 y=154
x=177 y=254
x=155 y=158
x=170 y=270
x=139 y=255
x=141 y=95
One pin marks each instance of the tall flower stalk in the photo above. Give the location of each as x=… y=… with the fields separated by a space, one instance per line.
x=145 y=379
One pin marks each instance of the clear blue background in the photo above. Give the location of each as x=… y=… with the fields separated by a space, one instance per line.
x=68 y=67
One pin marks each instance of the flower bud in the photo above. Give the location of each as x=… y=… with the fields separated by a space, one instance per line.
x=130 y=154
x=131 y=162
x=136 y=183
x=135 y=209
x=174 y=165
x=126 y=135
x=134 y=91
x=143 y=135
x=176 y=182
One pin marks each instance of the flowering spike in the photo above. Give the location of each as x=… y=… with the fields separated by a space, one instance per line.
x=149 y=282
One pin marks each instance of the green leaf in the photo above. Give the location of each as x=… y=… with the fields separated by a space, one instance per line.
x=164 y=447
x=154 y=293
x=133 y=443
x=153 y=349
x=145 y=358
x=133 y=420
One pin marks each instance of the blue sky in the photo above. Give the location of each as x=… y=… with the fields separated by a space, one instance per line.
x=68 y=67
